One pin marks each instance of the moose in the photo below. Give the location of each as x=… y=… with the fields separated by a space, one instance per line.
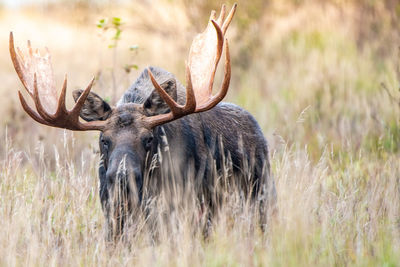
x=155 y=113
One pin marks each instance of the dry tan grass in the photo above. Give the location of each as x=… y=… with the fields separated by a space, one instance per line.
x=307 y=72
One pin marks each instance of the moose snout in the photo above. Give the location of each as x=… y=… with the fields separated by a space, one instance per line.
x=122 y=167
x=124 y=174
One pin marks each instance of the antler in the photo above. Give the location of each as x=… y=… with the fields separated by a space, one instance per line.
x=36 y=74
x=204 y=57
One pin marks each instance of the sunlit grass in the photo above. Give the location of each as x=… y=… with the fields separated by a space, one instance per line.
x=301 y=69
x=330 y=212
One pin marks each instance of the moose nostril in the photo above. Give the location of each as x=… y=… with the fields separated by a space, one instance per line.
x=122 y=175
x=116 y=176
x=137 y=174
x=110 y=177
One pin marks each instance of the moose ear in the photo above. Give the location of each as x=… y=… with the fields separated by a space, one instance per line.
x=94 y=108
x=154 y=104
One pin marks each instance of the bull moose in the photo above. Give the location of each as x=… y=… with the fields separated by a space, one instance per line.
x=155 y=112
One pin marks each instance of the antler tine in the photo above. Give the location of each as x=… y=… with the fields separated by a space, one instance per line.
x=170 y=102
x=177 y=111
x=30 y=111
x=229 y=18
x=81 y=100
x=190 y=96
x=61 y=100
x=28 y=44
x=222 y=14
x=14 y=59
x=220 y=44
x=225 y=84
x=213 y=15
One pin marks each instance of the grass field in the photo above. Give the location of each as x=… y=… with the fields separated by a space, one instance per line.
x=322 y=79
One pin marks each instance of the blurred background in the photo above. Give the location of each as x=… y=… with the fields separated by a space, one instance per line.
x=314 y=73
x=320 y=76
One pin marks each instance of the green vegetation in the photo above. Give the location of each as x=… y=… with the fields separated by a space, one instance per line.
x=115 y=25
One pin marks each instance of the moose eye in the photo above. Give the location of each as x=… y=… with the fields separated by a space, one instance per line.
x=147 y=141
x=105 y=143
